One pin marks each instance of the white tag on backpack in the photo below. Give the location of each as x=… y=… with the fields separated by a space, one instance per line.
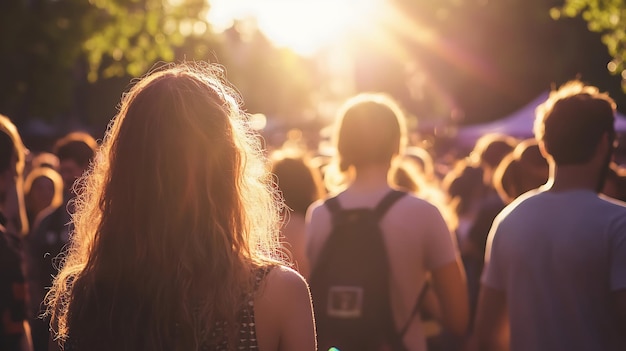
x=345 y=301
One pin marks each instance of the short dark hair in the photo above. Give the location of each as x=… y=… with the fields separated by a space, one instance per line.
x=299 y=182
x=572 y=121
x=79 y=147
x=371 y=129
x=491 y=148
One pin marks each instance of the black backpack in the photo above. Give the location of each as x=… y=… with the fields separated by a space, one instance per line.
x=350 y=282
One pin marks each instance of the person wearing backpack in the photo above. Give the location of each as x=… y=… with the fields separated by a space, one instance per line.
x=372 y=247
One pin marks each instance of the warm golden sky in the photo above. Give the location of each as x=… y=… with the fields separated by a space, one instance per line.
x=302 y=25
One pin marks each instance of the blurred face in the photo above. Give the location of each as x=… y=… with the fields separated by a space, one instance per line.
x=41 y=194
x=70 y=171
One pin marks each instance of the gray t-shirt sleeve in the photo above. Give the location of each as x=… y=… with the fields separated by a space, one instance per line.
x=492 y=275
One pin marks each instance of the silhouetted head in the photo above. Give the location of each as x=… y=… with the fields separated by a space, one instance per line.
x=464 y=186
x=298 y=181
x=172 y=220
x=371 y=130
x=408 y=175
x=43 y=188
x=12 y=146
x=491 y=148
x=75 y=151
x=423 y=159
x=529 y=153
x=45 y=159
x=572 y=122
x=489 y=151
x=12 y=156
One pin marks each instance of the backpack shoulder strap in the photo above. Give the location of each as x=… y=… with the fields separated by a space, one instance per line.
x=385 y=204
x=415 y=311
x=381 y=208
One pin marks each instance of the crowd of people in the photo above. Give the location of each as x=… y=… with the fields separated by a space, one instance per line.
x=181 y=230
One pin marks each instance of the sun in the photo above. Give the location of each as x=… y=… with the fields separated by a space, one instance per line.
x=304 y=26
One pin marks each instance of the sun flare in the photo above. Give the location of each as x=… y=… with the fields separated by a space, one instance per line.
x=304 y=26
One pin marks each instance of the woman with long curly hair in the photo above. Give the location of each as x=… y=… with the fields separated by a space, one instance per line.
x=175 y=244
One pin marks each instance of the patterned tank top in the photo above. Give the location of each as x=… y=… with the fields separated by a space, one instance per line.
x=218 y=338
x=247 y=339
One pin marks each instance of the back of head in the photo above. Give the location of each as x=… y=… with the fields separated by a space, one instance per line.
x=508 y=178
x=45 y=159
x=78 y=146
x=424 y=159
x=534 y=165
x=529 y=153
x=370 y=130
x=50 y=185
x=11 y=145
x=408 y=175
x=173 y=219
x=572 y=121
x=298 y=181
x=522 y=170
x=491 y=148
x=464 y=186
x=12 y=159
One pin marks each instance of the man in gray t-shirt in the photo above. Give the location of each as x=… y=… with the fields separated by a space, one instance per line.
x=555 y=262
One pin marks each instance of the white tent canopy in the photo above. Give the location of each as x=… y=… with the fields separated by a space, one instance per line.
x=518 y=124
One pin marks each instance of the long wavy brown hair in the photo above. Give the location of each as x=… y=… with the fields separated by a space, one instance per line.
x=174 y=217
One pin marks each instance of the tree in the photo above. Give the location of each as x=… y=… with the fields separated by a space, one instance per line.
x=607 y=17
x=51 y=49
x=492 y=57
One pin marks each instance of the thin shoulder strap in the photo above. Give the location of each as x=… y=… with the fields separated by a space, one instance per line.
x=261 y=273
x=416 y=309
x=385 y=204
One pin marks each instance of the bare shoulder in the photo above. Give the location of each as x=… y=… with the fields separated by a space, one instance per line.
x=282 y=286
x=283 y=312
x=284 y=281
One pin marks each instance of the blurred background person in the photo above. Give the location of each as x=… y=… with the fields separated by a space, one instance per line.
x=370 y=134
x=14 y=326
x=300 y=184
x=522 y=170
x=488 y=153
x=424 y=161
x=40 y=159
x=555 y=263
x=14 y=208
x=465 y=190
x=43 y=193
x=47 y=239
